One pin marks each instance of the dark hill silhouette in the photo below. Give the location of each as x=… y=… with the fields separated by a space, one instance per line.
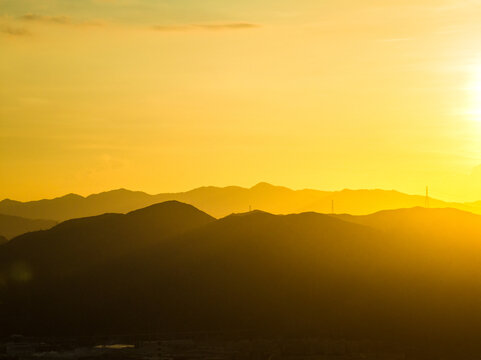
x=78 y=243
x=446 y=242
x=171 y=267
x=3 y=240
x=11 y=226
x=421 y=221
x=221 y=202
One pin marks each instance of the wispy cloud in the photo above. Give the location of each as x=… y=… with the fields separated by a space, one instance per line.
x=14 y=31
x=231 y=26
x=46 y=19
x=209 y=27
x=60 y=20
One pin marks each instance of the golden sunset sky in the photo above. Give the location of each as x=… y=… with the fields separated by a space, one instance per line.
x=168 y=95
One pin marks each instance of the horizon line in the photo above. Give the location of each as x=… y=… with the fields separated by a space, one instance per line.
x=85 y=196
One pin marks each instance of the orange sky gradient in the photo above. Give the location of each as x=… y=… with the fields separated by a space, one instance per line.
x=170 y=95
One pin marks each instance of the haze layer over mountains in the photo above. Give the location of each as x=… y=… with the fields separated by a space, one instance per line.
x=11 y=226
x=220 y=202
x=409 y=275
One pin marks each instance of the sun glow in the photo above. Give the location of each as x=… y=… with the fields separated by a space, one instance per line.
x=474 y=93
x=178 y=90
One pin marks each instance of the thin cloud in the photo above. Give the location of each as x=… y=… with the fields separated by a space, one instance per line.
x=46 y=19
x=232 y=26
x=209 y=27
x=14 y=31
x=59 y=20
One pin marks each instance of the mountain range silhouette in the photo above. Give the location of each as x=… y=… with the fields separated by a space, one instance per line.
x=220 y=202
x=409 y=275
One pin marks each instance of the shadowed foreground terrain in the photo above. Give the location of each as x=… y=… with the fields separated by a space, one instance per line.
x=410 y=276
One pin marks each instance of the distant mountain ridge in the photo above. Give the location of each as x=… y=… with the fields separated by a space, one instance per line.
x=222 y=201
x=11 y=226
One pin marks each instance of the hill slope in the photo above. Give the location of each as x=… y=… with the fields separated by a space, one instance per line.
x=441 y=223
x=11 y=226
x=300 y=274
x=77 y=244
x=221 y=202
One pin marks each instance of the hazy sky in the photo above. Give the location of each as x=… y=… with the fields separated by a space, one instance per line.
x=167 y=95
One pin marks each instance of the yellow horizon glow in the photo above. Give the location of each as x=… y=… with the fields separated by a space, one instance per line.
x=172 y=96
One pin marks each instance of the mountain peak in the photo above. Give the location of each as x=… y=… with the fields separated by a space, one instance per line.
x=251 y=213
x=165 y=205
x=71 y=196
x=262 y=186
x=9 y=201
x=117 y=193
x=171 y=209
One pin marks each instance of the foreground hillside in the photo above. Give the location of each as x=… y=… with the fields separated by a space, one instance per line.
x=171 y=267
x=440 y=223
x=11 y=226
x=221 y=202
x=79 y=244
